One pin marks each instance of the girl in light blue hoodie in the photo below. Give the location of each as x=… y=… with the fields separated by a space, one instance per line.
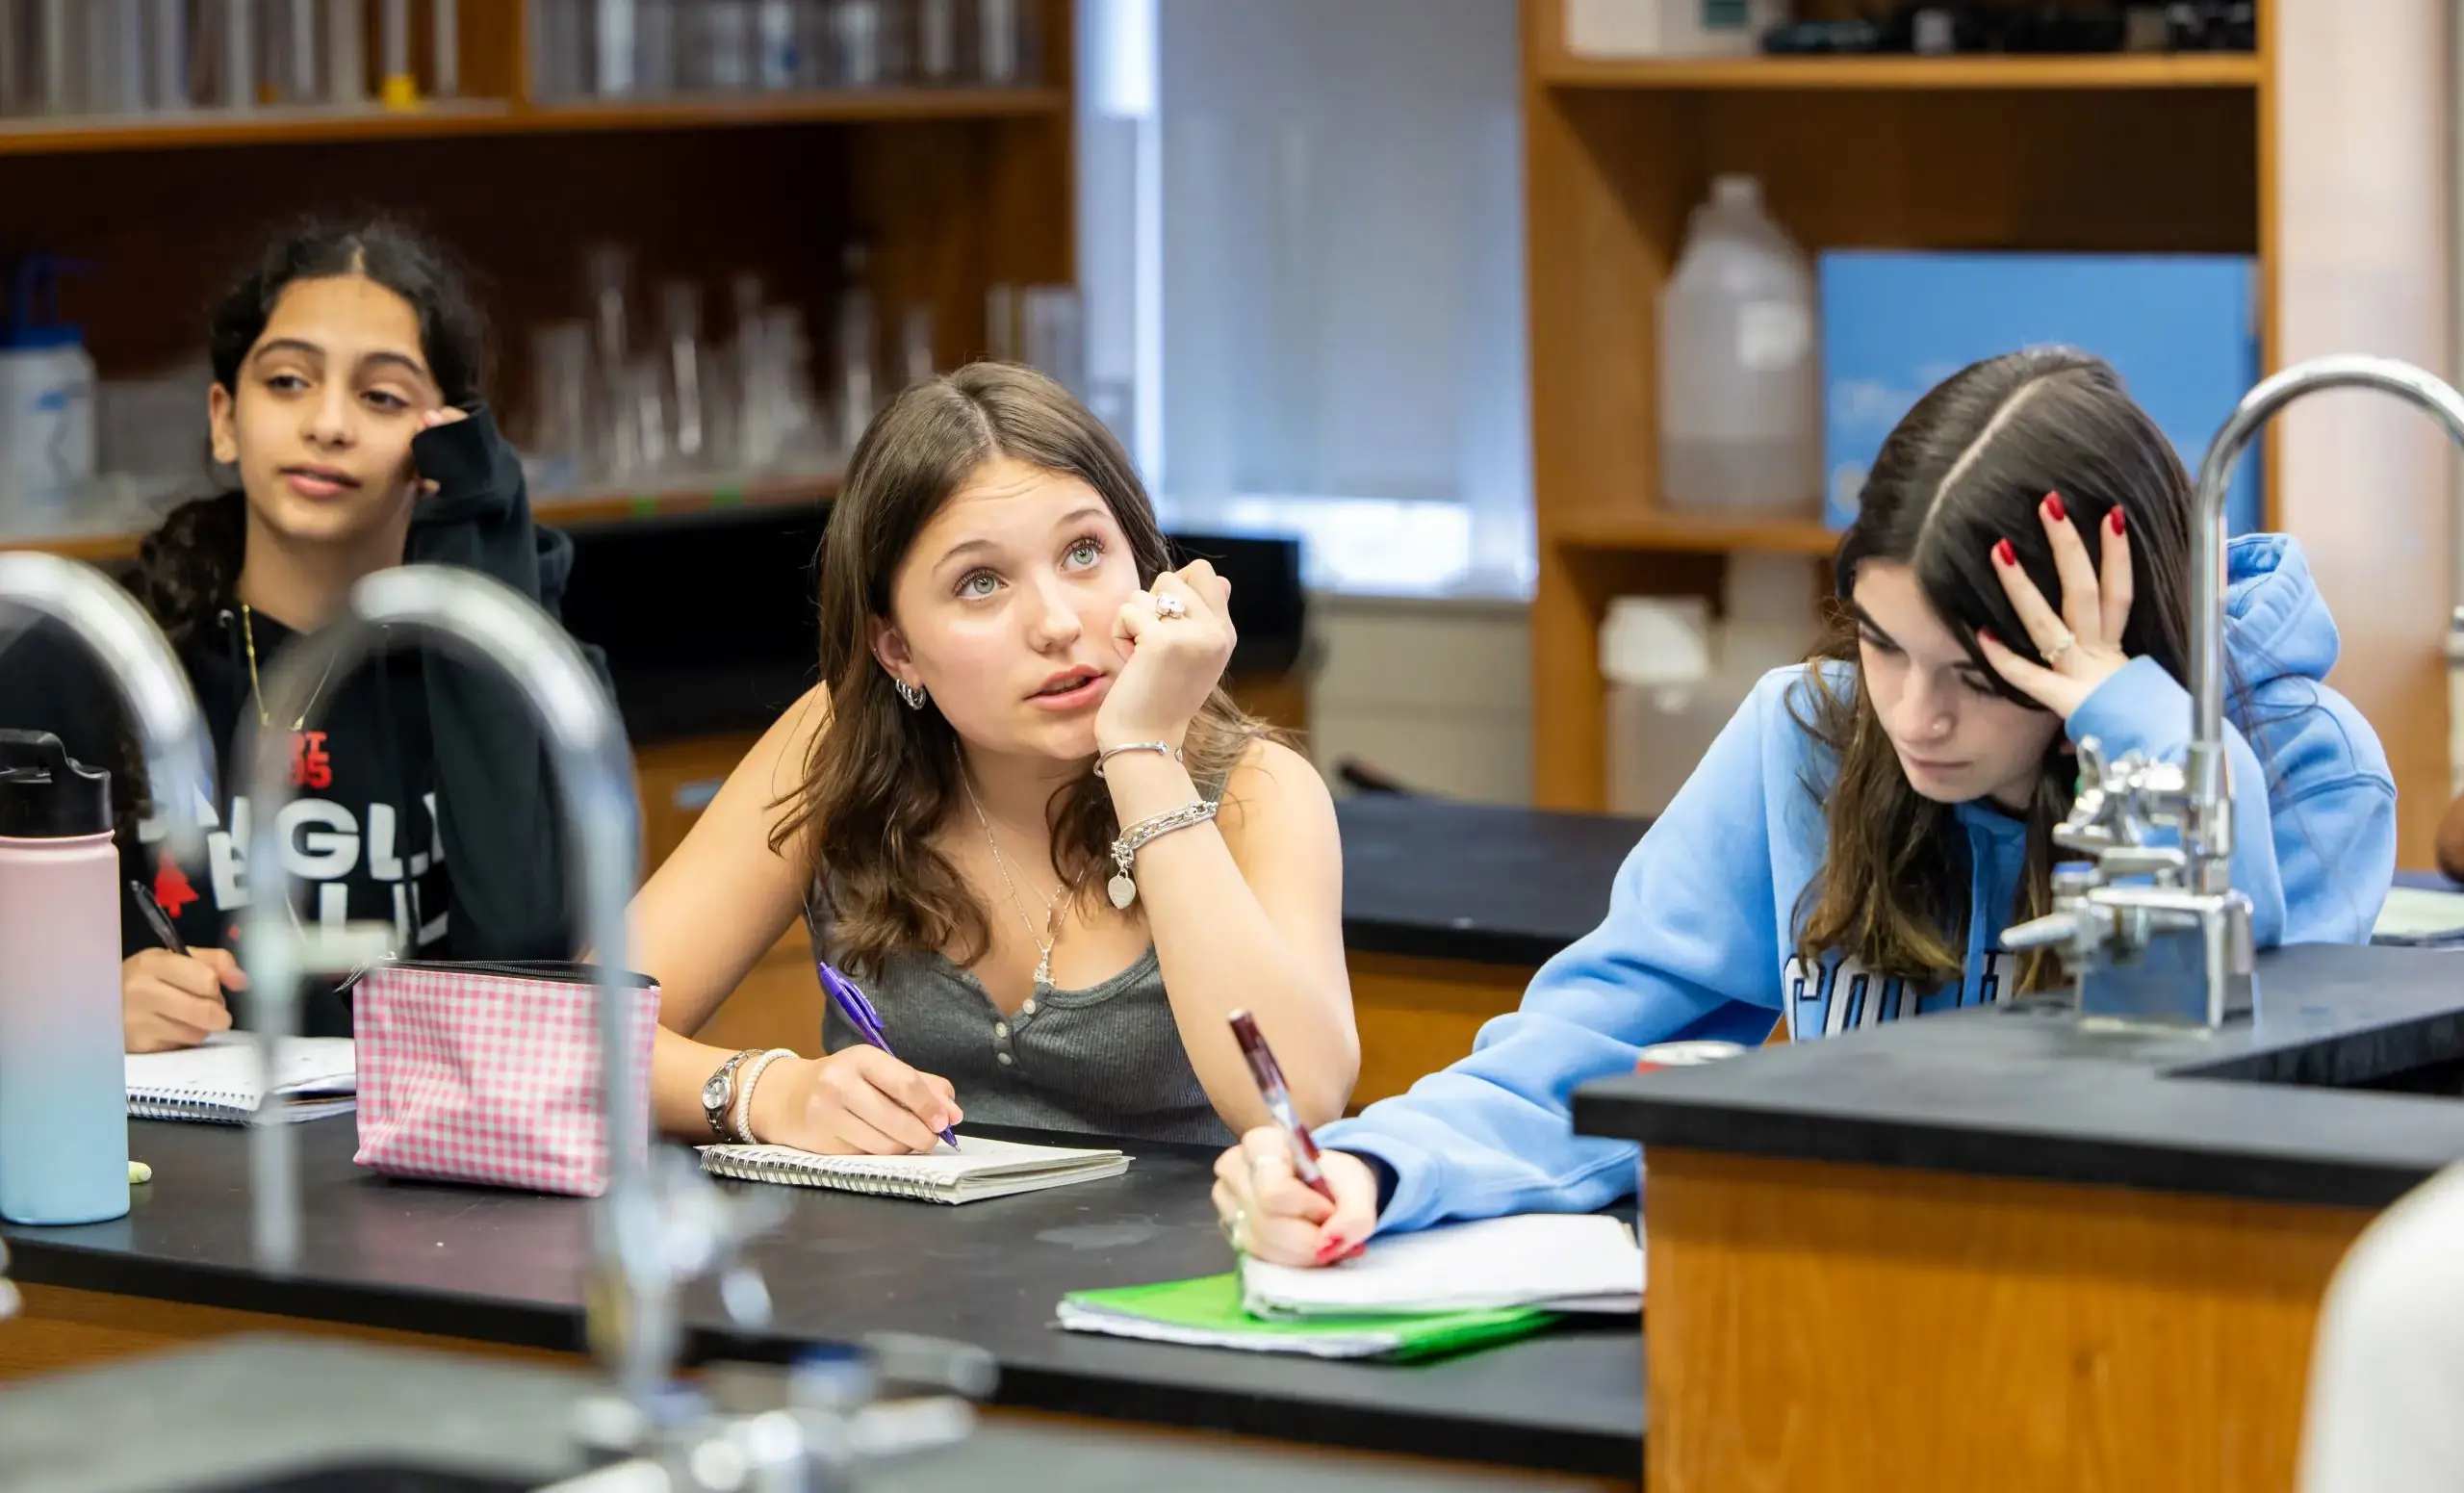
x=1852 y=846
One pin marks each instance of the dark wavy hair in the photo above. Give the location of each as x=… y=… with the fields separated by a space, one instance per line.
x=880 y=777
x=188 y=568
x=1968 y=467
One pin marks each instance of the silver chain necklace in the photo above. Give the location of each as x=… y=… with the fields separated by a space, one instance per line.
x=1051 y=935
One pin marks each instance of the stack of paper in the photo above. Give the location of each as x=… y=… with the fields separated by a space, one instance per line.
x=219 y=1082
x=2414 y=914
x=1564 y=1262
x=1406 y=1296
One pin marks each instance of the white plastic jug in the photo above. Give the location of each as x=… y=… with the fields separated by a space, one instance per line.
x=1665 y=702
x=1675 y=678
x=1739 y=388
x=1670 y=28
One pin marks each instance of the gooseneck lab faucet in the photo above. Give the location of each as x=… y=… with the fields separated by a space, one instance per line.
x=2153 y=931
x=139 y=661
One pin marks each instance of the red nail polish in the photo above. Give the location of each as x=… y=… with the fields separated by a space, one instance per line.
x=1328 y=1251
x=2053 y=508
x=2004 y=553
x=2115 y=520
x=1988 y=637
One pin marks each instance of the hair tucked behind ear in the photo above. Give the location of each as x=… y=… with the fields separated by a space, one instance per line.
x=1968 y=467
x=188 y=569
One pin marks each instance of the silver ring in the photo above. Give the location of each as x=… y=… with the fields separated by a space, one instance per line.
x=2070 y=642
x=1168 y=606
x=1231 y=1226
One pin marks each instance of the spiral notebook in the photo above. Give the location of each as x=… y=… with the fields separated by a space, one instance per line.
x=218 y=1083
x=977 y=1169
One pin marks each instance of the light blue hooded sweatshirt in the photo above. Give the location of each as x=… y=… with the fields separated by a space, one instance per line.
x=1700 y=939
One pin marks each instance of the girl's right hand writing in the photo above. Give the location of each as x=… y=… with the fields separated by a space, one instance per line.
x=1268 y=1212
x=861 y=1101
x=170 y=1000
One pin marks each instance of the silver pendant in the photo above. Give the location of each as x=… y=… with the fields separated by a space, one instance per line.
x=1123 y=889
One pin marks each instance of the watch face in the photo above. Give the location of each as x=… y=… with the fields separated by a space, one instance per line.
x=714 y=1094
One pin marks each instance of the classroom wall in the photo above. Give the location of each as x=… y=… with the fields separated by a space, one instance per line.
x=1435 y=693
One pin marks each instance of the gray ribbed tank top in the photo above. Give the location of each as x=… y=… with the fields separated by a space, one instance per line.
x=1106 y=1060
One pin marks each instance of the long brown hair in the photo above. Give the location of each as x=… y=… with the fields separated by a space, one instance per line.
x=1966 y=466
x=880 y=778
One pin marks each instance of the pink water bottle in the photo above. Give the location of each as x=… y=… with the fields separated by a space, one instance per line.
x=63 y=1106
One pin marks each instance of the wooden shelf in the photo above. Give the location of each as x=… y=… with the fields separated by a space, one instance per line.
x=1651 y=530
x=2116 y=70
x=488 y=118
x=566 y=510
x=1977 y=153
x=562 y=511
x=848 y=105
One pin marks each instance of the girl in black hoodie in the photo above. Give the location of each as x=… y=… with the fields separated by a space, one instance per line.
x=347 y=363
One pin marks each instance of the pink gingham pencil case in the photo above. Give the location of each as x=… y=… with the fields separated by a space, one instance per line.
x=489 y=1073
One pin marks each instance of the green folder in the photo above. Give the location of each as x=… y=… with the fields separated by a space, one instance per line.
x=1207 y=1313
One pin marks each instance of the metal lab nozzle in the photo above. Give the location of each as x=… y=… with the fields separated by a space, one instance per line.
x=2156 y=931
x=656 y=1227
x=179 y=765
x=179 y=762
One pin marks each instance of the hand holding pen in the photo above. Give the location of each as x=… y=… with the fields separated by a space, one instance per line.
x=858 y=1008
x=171 y=996
x=862 y=1100
x=1280 y=1198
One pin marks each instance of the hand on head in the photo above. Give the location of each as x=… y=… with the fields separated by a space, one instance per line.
x=2082 y=643
x=1176 y=639
x=437 y=419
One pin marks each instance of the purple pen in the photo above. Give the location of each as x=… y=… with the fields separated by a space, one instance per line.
x=852 y=1003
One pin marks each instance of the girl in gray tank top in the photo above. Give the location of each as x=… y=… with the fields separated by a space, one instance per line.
x=1106 y=1060
x=999 y=812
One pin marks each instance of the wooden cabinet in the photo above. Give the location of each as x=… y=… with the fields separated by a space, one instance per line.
x=1416 y=1015
x=779 y=1004
x=2087 y=1337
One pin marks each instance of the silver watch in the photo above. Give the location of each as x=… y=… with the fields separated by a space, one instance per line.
x=718 y=1093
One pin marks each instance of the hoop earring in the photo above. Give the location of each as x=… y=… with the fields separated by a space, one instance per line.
x=912 y=694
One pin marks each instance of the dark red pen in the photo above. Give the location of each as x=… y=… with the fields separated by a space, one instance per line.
x=1270 y=1076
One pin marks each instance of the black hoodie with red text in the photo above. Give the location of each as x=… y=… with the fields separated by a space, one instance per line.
x=422 y=793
